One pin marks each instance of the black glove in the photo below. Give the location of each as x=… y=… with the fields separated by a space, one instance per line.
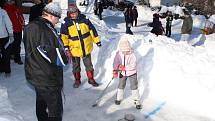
x=99 y=44
x=66 y=48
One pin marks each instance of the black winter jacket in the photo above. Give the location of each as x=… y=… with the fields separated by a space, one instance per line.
x=157 y=27
x=135 y=13
x=39 y=71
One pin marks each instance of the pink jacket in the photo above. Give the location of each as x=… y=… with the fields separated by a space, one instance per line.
x=129 y=61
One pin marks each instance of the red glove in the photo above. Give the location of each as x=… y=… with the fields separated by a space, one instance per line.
x=115 y=74
x=121 y=67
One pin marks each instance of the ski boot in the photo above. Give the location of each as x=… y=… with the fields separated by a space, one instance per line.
x=119 y=96
x=137 y=104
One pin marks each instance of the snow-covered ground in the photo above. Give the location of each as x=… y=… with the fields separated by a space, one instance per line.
x=176 y=80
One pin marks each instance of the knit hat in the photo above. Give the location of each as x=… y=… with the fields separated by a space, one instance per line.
x=124 y=44
x=53 y=8
x=73 y=8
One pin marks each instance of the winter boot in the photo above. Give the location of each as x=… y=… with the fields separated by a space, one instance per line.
x=136 y=97
x=117 y=102
x=77 y=76
x=119 y=96
x=91 y=80
x=139 y=106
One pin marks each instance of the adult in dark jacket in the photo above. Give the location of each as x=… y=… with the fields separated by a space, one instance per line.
x=169 y=20
x=44 y=57
x=98 y=8
x=36 y=10
x=135 y=15
x=156 y=25
x=128 y=20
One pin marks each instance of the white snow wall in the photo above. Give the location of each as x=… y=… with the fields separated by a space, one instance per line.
x=163 y=2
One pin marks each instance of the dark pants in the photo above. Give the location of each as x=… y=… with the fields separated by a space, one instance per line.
x=100 y=16
x=128 y=28
x=87 y=63
x=168 y=31
x=49 y=106
x=4 y=56
x=135 y=22
x=15 y=47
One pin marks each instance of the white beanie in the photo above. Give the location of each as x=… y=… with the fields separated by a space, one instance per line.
x=53 y=8
x=124 y=44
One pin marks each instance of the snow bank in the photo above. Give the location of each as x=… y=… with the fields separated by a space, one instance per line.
x=7 y=113
x=182 y=75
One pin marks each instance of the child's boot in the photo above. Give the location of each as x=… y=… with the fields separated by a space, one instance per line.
x=138 y=104
x=119 y=96
x=136 y=97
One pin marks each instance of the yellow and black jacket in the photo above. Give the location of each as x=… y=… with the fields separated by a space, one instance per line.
x=79 y=35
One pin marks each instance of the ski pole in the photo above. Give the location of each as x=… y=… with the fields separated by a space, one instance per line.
x=101 y=95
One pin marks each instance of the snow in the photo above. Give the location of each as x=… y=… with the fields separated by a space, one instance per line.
x=174 y=9
x=176 y=80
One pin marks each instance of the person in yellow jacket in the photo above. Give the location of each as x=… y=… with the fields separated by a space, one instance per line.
x=78 y=35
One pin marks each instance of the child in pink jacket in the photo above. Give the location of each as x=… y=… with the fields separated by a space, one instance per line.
x=125 y=62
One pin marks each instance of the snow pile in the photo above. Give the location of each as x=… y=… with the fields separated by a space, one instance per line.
x=174 y=9
x=7 y=113
x=181 y=75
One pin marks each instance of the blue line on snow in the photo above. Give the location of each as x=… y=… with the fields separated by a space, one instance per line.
x=155 y=110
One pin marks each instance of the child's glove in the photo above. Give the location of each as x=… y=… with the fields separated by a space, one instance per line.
x=115 y=74
x=121 y=67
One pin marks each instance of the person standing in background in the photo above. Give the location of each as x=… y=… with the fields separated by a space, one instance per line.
x=6 y=37
x=18 y=23
x=156 y=25
x=169 y=20
x=44 y=61
x=187 y=23
x=78 y=35
x=98 y=8
x=135 y=15
x=128 y=20
x=36 y=10
x=187 y=26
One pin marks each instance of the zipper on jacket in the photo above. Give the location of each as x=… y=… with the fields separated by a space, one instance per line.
x=124 y=64
x=81 y=38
